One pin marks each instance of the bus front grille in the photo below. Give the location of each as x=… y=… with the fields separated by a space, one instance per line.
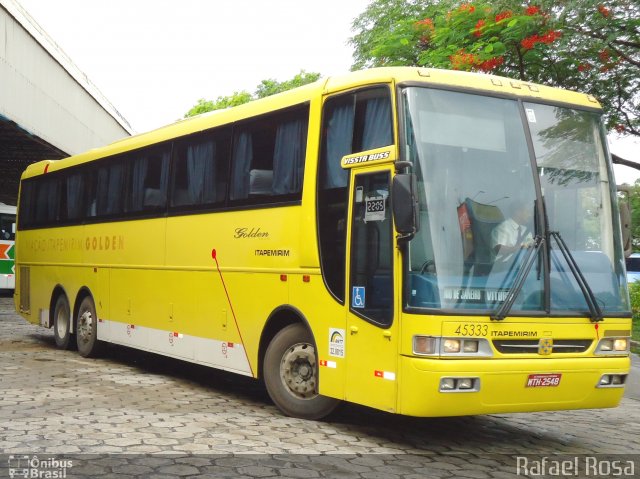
x=530 y=346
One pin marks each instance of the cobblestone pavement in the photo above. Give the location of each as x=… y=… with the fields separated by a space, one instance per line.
x=132 y=414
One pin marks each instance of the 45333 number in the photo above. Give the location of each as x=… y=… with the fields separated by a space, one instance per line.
x=472 y=330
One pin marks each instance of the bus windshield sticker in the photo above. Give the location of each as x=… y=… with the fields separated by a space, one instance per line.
x=336 y=342
x=374 y=209
x=475 y=295
x=531 y=115
x=357 y=297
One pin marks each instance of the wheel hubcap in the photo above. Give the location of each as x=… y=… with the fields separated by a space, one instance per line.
x=62 y=322
x=298 y=371
x=85 y=324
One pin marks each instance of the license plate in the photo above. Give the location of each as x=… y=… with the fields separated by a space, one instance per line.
x=543 y=380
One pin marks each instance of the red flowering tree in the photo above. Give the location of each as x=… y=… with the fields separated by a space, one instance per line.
x=586 y=45
x=488 y=37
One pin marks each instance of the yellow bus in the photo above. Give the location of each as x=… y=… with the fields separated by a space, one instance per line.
x=423 y=242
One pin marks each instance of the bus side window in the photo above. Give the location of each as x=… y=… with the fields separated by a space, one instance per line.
x=110 y=191
x=148 y=180
x=75 y=189
x=47 y=200
x=200 y=170
x=268 y=158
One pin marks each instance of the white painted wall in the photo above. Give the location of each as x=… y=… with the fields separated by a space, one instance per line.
x=45 y=93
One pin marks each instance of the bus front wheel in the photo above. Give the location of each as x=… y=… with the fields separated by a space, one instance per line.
x=62 y=323
x=87 y=329
x=291 y=375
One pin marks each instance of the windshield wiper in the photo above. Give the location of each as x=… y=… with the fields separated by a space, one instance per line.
x=518 y=282
x=590 y=298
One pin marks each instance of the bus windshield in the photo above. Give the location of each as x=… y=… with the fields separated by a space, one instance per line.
x=483 y=202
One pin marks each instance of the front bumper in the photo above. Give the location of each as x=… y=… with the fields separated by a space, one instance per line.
x=503 y=385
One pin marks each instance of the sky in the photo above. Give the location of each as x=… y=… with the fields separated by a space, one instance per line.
x=153 y=59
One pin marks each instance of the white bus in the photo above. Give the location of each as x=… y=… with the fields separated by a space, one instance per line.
x=7 y=246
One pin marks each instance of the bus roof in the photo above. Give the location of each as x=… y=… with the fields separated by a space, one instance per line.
x=464 y=80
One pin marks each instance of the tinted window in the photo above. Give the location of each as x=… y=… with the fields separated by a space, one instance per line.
x=110 y=188
x=75 y=185
x=147 y=183
x=268 y=157
x=372 y=249
x=200 y=170
x=47 y=200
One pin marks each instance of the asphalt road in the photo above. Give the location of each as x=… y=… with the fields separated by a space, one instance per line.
x=134 y=414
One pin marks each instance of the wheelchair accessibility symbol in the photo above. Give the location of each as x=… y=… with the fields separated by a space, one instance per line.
x=357 y=297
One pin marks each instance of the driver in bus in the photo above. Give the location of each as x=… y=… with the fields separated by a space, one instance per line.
x=514 y=233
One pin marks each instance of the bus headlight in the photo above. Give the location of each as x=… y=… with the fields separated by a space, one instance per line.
x=621 y=344
x=470 y=345
x=451 y=346
x=613 y=346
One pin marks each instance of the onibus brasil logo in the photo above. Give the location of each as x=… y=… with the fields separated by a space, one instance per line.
x=35 y=467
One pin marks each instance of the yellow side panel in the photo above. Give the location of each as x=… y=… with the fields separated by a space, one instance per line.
x=327 y=320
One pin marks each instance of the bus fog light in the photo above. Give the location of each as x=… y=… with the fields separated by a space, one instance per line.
x=424 y=345
x=620 y=344
x=465 y=383
x=612 y=381
x=605 y=380
x=470 y=346
x=617 y=379
x=447 y=384
x=451 y=346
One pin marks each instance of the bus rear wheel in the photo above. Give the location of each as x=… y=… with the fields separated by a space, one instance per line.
x=87 y=329
x=291 y=375
x=62 y=323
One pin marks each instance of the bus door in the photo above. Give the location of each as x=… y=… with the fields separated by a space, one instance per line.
x=372 y=330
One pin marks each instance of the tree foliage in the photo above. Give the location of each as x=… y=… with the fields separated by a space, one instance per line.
x=634 y=203
x=271 y=86
x=586 y=45
x=220 y=103
x=265 y=88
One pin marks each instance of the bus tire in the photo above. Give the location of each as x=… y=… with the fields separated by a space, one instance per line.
x=87 y=329
x=62 y=323
x=291 y=374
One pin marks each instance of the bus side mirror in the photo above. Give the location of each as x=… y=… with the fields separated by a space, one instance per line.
x=404 y=201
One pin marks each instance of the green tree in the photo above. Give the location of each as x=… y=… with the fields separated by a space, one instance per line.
x=220 y=103
x=587 y=45
x=265 y=88
x=634 y=203
x=271 y=87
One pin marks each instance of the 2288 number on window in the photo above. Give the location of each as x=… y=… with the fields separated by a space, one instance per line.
x=472 y=330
